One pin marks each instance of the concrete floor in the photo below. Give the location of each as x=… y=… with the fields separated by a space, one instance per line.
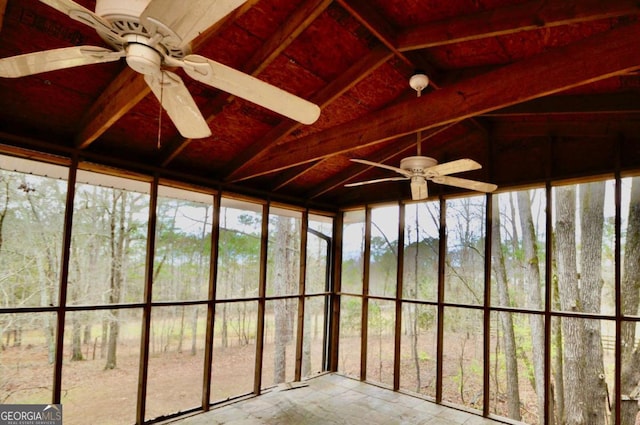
x=333 y=399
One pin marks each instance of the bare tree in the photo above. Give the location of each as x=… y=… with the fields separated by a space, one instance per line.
x=585 y=389
x=47 y=263
x=117 y=246
x=568 y=288
x=591 y=225
x=506 y=321
x=534 y=296
x=285 y=265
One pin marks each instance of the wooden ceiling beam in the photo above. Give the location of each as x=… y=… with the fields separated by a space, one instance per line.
x=129 y=88
x=380 y=28
x=295 y=24
x=375 y=23
x=348 y=79
x=509 y=20
x=124 y=92
x=290 y=175
x=595 y=58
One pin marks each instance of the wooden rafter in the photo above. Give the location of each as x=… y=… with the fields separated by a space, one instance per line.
x=295 y=24
x=129 y=88
x=124 y=92
x=346 y=81
x=290 y=175
x=371 y=19
x=523 y=17
x=300 y=19
x=595 y=58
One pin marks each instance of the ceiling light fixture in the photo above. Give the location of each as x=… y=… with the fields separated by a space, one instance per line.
x=419 y=81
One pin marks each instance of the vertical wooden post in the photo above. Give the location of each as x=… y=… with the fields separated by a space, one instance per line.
x=365 y=294
x=262 y=290
x=334 y=297
x=487 y=304
x=301 y=291
x=143 y=369
x=618 y=287
x=64 y=275
x=548 y=302
x=211 y=306
x=442 y=252
x=399 y=291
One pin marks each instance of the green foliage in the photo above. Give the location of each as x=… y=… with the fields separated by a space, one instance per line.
x=426 y=319
x=351 y=314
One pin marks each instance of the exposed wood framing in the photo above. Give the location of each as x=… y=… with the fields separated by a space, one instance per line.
x=523 y=17
x=301 y=18
x=596 y=58
x=124 y=92
x=129 y=88
x=371 y=19
x=511 y=20
x=346 y=81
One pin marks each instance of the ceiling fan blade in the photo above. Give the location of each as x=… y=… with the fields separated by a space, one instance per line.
x=388 y=167
x=82 y=14
x=419 y=188
x=250 y=88
x=186 y=19
x=452 y=167
x=179 y=104
x=51 y=60
x=387 y=179
x=466 y=183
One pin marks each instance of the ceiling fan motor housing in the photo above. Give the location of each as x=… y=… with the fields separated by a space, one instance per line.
x=142 y=58
x=110 y=9
x=417 y=164
x=124 y=18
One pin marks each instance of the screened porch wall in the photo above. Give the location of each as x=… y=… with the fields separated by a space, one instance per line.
x=155 y=297
x=172 y=299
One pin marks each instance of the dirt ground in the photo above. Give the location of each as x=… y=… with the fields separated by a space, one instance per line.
x=175 y=381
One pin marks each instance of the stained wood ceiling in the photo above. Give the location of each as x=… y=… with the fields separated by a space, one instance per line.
x=532 y=90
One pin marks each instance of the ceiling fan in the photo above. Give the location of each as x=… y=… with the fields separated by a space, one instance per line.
x=418 y=169
x=153 y=35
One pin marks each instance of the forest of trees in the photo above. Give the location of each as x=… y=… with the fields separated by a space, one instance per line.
x=561 y=296
x=106 y=292
x=582 y=301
